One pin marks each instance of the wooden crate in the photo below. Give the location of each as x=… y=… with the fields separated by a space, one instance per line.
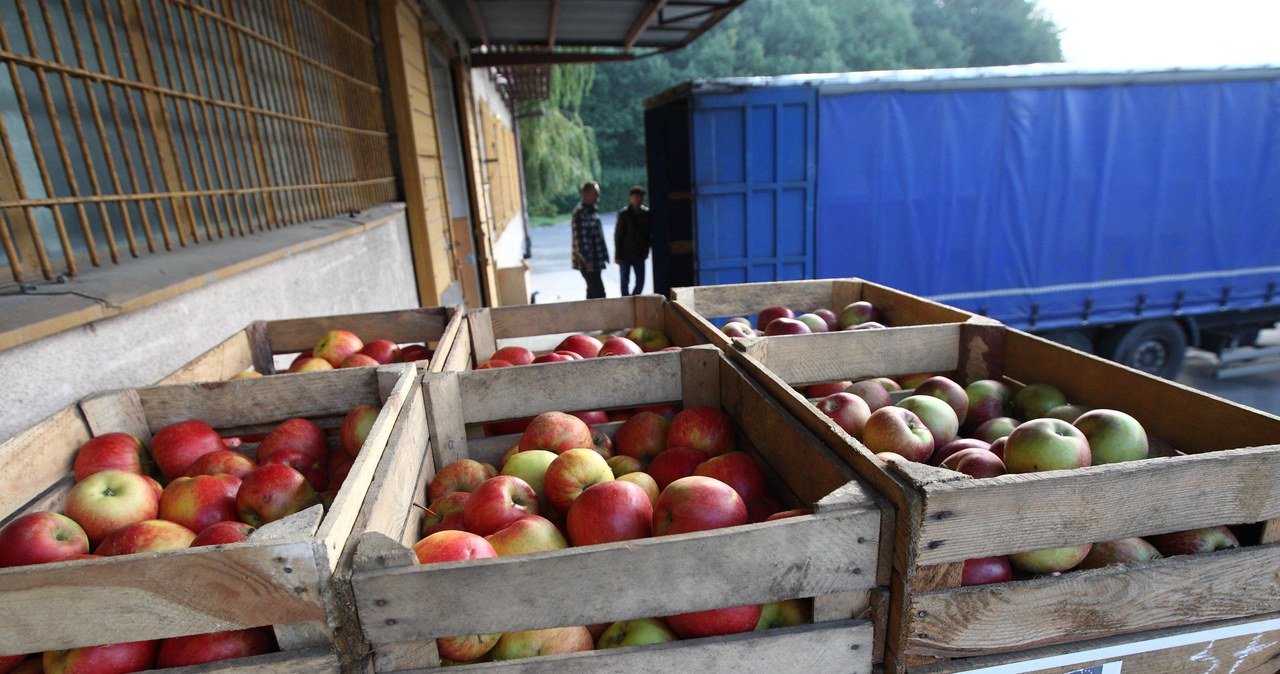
x=832 y=555
x=540 y=327
x=702 y=304
x=257 y=345
x=1229 y=473
x=283 y=576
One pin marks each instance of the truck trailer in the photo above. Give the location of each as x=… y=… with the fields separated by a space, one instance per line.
x=1125 y=213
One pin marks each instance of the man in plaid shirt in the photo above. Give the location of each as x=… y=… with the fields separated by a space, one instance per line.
x=590 y=254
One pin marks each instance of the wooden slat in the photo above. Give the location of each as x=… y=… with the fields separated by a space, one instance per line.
x=289 y=662
x=220 y=363
x=834 y=356
x=38 y=457
x=725 y=301
x=582 y=316
x=399 y=485
x=401 y=326
x=117 y=412
x=1090 y=604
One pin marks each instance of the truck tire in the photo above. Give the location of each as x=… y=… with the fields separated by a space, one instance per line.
x=1157 y=347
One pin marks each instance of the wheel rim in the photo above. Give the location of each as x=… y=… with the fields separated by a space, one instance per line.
x=1150 y=356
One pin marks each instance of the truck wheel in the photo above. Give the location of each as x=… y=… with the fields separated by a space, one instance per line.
x=1157 y=347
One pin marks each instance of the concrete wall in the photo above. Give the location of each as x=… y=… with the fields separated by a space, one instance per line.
x=368 y=271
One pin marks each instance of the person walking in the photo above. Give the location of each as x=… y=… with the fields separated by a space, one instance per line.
x=590 y=253
x=631 y=241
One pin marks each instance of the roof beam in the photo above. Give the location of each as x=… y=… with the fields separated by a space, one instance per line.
x=499 y=59
x=477 y=18
x=637 y=28
x=552 y=23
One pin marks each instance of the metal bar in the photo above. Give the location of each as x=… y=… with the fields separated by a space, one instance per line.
x=254 y=124
x=352 y=32
x=296 y=143
x=189 y=194
x=553 y=22
x=10 y=251
x=637 y=28
x=498 y=59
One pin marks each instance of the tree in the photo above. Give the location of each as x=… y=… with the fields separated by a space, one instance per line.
x=559 y=150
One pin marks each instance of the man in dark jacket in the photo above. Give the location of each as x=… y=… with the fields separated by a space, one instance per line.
x=590 y=254
x=631 y=240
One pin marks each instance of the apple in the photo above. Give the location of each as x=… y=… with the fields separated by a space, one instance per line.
x=784 y=514
x=336 y=345
x=857 y=313
x=461 y=475
x=309 y=364
x=975 y=462
x=738 y=470
x=643 y=436
x=638 y=632
x=768 y=315
x=786 y=326
x=383 y=351
x=412 y=353
x=226 y=461
x=556 y=432
x=197 y=502
x=515 y=645
x=1046 y=444
x=1113 y=436
x=814 y=322
x=451 y=546
x=445 y=513
x=592 y=417
x=645 y=481
x=497 y=502
x=571 y=473
x=846 y=410
x=359 y=360
x=898 y=430
x=609 y=512
x=986 y=570
x=220 y=533
x=511 y=451
x=516 y=355
x=997 y=446
x=134 y=656
x=178 y=445
x=948 y=391
x=509 y=427
x=988 y=399
x=1035 y=400
x=735 y=329
x=39 y=537
x=601 y=443
x=871 y=392
x=1050 y=560
x=529 y=533
x=936 y=415
x=833 y=321
x=697 y=503
x=315 y=469
x=466 y=647
x=675 y=463
x=297 y=434
x=146 y=536
x=649 y=339
x=824 y=389
x=869 y=325
x=112 y=451
x=1122 y=551
x=356 y=427
x=583 y=345
x=273 y=491
x=531 y=466
x=785 y=613
x=1068 y=413
x=995 y=428
x=9 y=664
x=620 y=346
x=954 y=446
x=107 y=501
x=199 y=649
x=762 y=508
x=491 y=363
x=890 y=457
x=556 y=357
x=707 y=429
x=716 y=622
x=622 y=464
x=1194 y=541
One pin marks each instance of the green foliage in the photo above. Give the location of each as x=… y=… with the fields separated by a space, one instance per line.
x=559 y=150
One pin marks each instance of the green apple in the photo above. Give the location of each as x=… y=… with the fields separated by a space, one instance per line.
x=513 y=645
x=786 y=613
x=1046 y=444
x=531 y=466
x=1035 y=400
x=1113 y=436
x=1050 y=560
x=638 y=632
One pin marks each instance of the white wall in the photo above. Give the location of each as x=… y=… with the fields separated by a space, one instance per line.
x=368 y=271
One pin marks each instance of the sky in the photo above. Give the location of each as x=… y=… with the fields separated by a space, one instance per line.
x=1122 y=33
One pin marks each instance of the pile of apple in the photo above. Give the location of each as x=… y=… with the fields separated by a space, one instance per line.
x=343 y=348
x=579 y=346
x=1028 y=430
x=561 y=485
x=212 y=494
x=778 y=320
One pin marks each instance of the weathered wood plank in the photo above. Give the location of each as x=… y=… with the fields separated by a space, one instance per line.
x=39 y=456
x=697 y=571
x=117 y=412
x=290 y=662
x=394 y=490
x=742 y=299
x=406 y=656
x=403 y=326
x=458 y=355
x=229 y=357
x=833 y=356
x=1084 y=605
x=483 y=341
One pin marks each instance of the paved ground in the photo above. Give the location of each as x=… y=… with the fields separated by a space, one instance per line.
x=552 y=277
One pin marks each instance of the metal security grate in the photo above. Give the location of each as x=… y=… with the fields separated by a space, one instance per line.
x=137 y=126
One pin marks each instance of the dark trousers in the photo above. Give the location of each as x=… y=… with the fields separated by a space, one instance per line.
x=625 y=265
x=595 y=284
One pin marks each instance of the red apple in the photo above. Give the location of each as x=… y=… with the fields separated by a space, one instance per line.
x=715 y=622
x=199 y=649
x=226 y=461
x=515 y=645
x=948 y=391
x=359 y=360
x=491 y=364
x=643 y=436
x=986 y=570
x=583 y=345
x=1113 y=436
x=557 y=357
x=39 y=537
x=857 y=313
x=988 y=399
x=762 y=508
x=794 y=512
x=9 y=664
x=112 y=451
x=556 y=432
x=200 y=501
x=620 y=346
x=336 y=345
x=833 y=321
x=975 y=462
x=592 y=417
x=356 y=427
x=572 y=473
x=383 y=351
x=824 y=389
x=936 y=415
x=466 y=647
x=1046 y=444
x=273 y=491
x=786 y=326
x=898 y=430
x=697 y=503
x=645 y=482
x=452 y=546
x=297 y=434
x=871 y=392
x=461 y=475
x=315 y=470
x=814 y=322
x=738 y=470
x=940 y=454
x=445 y=513
x=601 y=442
x=847 y=410
x=516 y=355
x=146 y=536
x=675 y=463
x=134 y=656
x=1122 y=551
x=1194 y=541
x=707 y=429
x=499 y=501
x=413 y=353
x=178 y=445
x=529 y=533
x=107 y=501
x=221 y=533
x=305 y=362
x=649 y=339
x=768 y=315
x=734 y=329
x=609 y=512
x=997 y=446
